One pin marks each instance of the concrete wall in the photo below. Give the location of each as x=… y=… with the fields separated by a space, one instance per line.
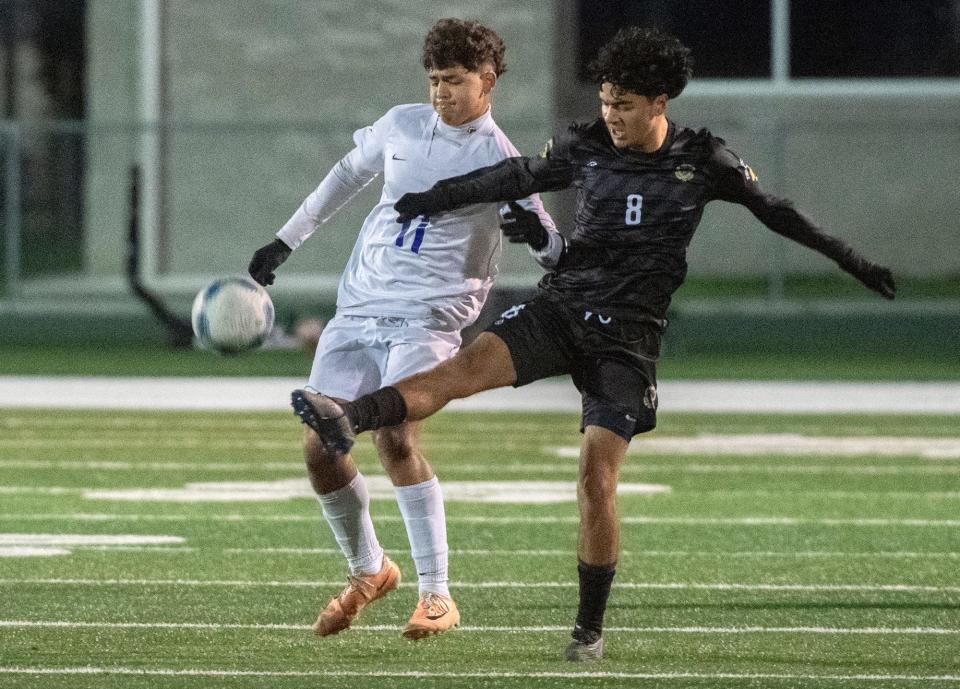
x=113 y=44
x=879 y=171
x=263 y=97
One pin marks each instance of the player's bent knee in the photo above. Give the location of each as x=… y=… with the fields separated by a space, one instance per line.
x=397 y=444
x=314 y=454
x=597 y=491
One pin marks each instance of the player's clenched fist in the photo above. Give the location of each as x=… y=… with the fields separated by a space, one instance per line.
x=267 y=259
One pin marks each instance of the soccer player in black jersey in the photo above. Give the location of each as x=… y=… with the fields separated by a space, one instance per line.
x=642 y=183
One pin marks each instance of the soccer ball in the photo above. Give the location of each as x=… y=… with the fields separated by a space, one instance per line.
x=232 y=315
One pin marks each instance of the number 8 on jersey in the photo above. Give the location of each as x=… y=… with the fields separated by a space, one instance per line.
x=634 y=206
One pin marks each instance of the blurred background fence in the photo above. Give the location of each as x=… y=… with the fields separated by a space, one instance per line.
x=235 y=109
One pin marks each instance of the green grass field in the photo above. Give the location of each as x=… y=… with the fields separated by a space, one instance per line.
x=721 y=363
x=758 y=568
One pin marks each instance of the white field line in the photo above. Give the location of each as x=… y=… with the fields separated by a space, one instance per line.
x=167 y=442
x=718 y=493
x=50 y=545
x=379 y=487
x=524 y=552
x=565 y=553
x=38 y=423
x=793 y=445
x=878 y=631
x=153 y=466
x=802 y=469
x=418 y=674
x=484 y=469
x=84 y=539
x=481 y=585
x=34 y=423
x=94 y=440
x=136 y=548
x=810 y=469
x=777 y=444
x=31 y=551
x=533 y=552
x=39 y=490
x=839 y=494
x=673 y=521
x=273 y=394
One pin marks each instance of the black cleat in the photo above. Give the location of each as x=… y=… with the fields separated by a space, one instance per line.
x=586 y=645
x=326 y=418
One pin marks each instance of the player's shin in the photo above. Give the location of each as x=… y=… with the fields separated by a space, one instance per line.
x=595 y=583
x=423 y=516
x=347 y=511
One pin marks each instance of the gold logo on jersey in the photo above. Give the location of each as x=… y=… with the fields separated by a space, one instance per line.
x=684 y=172
x=747 y=171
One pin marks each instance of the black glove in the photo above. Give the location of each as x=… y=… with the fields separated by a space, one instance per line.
x=877 y=278
x=523 y=226
x=266 y=260
x=415 y=204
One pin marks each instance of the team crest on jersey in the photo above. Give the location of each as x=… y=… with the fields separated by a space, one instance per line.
x=747 y=171
x=684 y=172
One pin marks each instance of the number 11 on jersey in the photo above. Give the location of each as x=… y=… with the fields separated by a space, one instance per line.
x=417 y=234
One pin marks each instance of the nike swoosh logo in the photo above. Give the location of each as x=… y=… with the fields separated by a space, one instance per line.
x=395 y=157
x=436 y=617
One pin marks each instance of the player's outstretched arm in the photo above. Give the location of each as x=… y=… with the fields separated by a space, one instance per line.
x=267 y=259
x=343 y=182
x=738 y=184
x=876 y=277
x=781 y=217
x=508 y=180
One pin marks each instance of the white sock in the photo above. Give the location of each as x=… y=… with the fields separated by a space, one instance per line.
x=422 y=508
x=347 y=511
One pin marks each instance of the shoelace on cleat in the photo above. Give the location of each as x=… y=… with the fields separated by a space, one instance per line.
x=435 y=604
x=355 y=583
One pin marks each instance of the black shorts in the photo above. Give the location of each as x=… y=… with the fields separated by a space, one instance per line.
x=612 y=362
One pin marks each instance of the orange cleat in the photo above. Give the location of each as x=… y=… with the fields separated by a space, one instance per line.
x=434 y=614
x=361 y=590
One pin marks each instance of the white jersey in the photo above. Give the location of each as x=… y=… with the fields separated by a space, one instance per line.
x=439 y=267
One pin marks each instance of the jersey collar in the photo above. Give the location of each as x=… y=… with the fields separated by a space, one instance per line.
x=481 y=125
x=638 y=154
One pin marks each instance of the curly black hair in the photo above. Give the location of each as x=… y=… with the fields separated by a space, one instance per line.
x=645 y=61
x=452 y=42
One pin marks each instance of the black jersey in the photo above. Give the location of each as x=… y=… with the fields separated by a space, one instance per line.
x=635 y=213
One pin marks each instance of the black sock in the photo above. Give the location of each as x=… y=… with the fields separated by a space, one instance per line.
x=385 y=407
x=595 y=581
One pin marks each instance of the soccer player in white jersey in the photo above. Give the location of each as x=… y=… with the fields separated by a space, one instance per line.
x=407 y=291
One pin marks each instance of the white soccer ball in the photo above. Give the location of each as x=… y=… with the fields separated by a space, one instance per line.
x=232 y=315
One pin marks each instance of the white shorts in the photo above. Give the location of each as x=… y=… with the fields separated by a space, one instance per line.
x=360 y=354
